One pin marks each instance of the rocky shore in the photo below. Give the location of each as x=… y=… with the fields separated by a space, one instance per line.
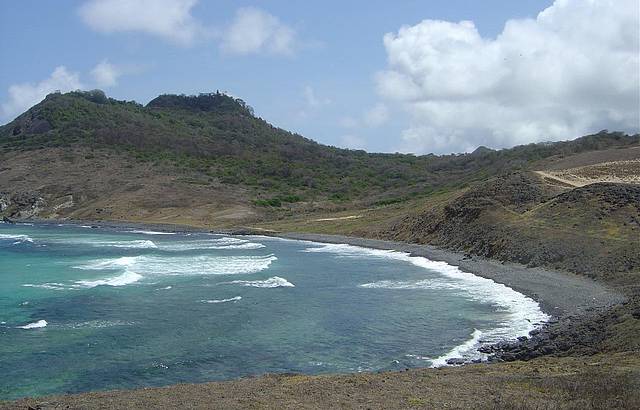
x=576 y=304
x=578 y=307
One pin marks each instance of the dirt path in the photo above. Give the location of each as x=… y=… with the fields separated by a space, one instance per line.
x=338 y=218
x=555 y=179
x=626 y=172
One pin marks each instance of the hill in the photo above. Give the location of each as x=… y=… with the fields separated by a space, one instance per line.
x=207 y=160
x=528 y=218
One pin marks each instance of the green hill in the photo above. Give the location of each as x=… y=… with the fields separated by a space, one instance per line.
x=214 y=138
x=208 y=161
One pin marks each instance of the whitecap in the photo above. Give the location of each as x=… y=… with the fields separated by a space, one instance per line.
x=184 y=265
x=234 y=299
x=467 y=350
x=142 y=244
x=523 y=314
x=16 y=238
x=131 y=244
x=99 y=324
x=116 y=263
x=211 y=244
x=151 y=232
x=125 y=278
x=273 y=282
x=249 y=245
x=49 y=286
x=344 y=250
x=34 y=325
x=420 y=284
x=228 y=240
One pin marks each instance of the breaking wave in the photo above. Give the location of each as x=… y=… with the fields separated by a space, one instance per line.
x=17 y=239
x=466 y=350
x=142 y=244
x=126 y=278
x=184 y=265
x=523 y=314
x=211 y=244
x=151 y=232
x=421 y=284
x=49 y=286
x=135 y=244
x=34 y=325
x=234 y=299
x=273 y=282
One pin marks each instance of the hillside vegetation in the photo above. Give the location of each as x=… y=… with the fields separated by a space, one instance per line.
x=207 y=161
x=213 y=139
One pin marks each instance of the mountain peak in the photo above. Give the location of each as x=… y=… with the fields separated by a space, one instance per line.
x=217 y=101
x=482 y=150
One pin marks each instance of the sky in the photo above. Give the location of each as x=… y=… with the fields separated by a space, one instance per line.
x=407 y=76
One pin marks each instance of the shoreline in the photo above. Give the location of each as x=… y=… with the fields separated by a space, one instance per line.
x=561 y=295
x=558 y=293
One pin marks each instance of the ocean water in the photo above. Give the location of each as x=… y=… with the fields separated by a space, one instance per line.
x=98 y=308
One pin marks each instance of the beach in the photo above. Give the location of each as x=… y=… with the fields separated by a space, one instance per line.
x=563 y=296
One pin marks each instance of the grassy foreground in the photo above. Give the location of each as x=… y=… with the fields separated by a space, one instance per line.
x=596 y=382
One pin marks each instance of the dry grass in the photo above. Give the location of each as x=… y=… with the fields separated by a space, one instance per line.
x=598 y=382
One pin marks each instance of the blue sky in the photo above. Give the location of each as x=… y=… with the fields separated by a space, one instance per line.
x=325 y=70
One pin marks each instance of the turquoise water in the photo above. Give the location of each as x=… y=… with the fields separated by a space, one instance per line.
x=88 y=309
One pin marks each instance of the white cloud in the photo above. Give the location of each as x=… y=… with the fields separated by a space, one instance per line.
x=312 y=100
x=23 y=96
x=312 y=103
x=168 y=19
x=353 y=142
x=254 y=31
x=371 y=118
x=573 y=70
x=106 y=74
x=376 y=116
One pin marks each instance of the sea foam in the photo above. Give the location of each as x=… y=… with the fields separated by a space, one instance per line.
x=523 y=313
x=210 y=244
x=98 y=324
x=126 y=278
x=151 y=232
x=234 y=299
x=184 y=265
x=16 y=238
x=49 y=286
x=466 y=350
x=273 y=282
x=126 y=244
x=34 y=325
x=142 y=244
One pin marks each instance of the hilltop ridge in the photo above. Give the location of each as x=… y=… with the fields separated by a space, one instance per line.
x=215 y=141
x=207 y=161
